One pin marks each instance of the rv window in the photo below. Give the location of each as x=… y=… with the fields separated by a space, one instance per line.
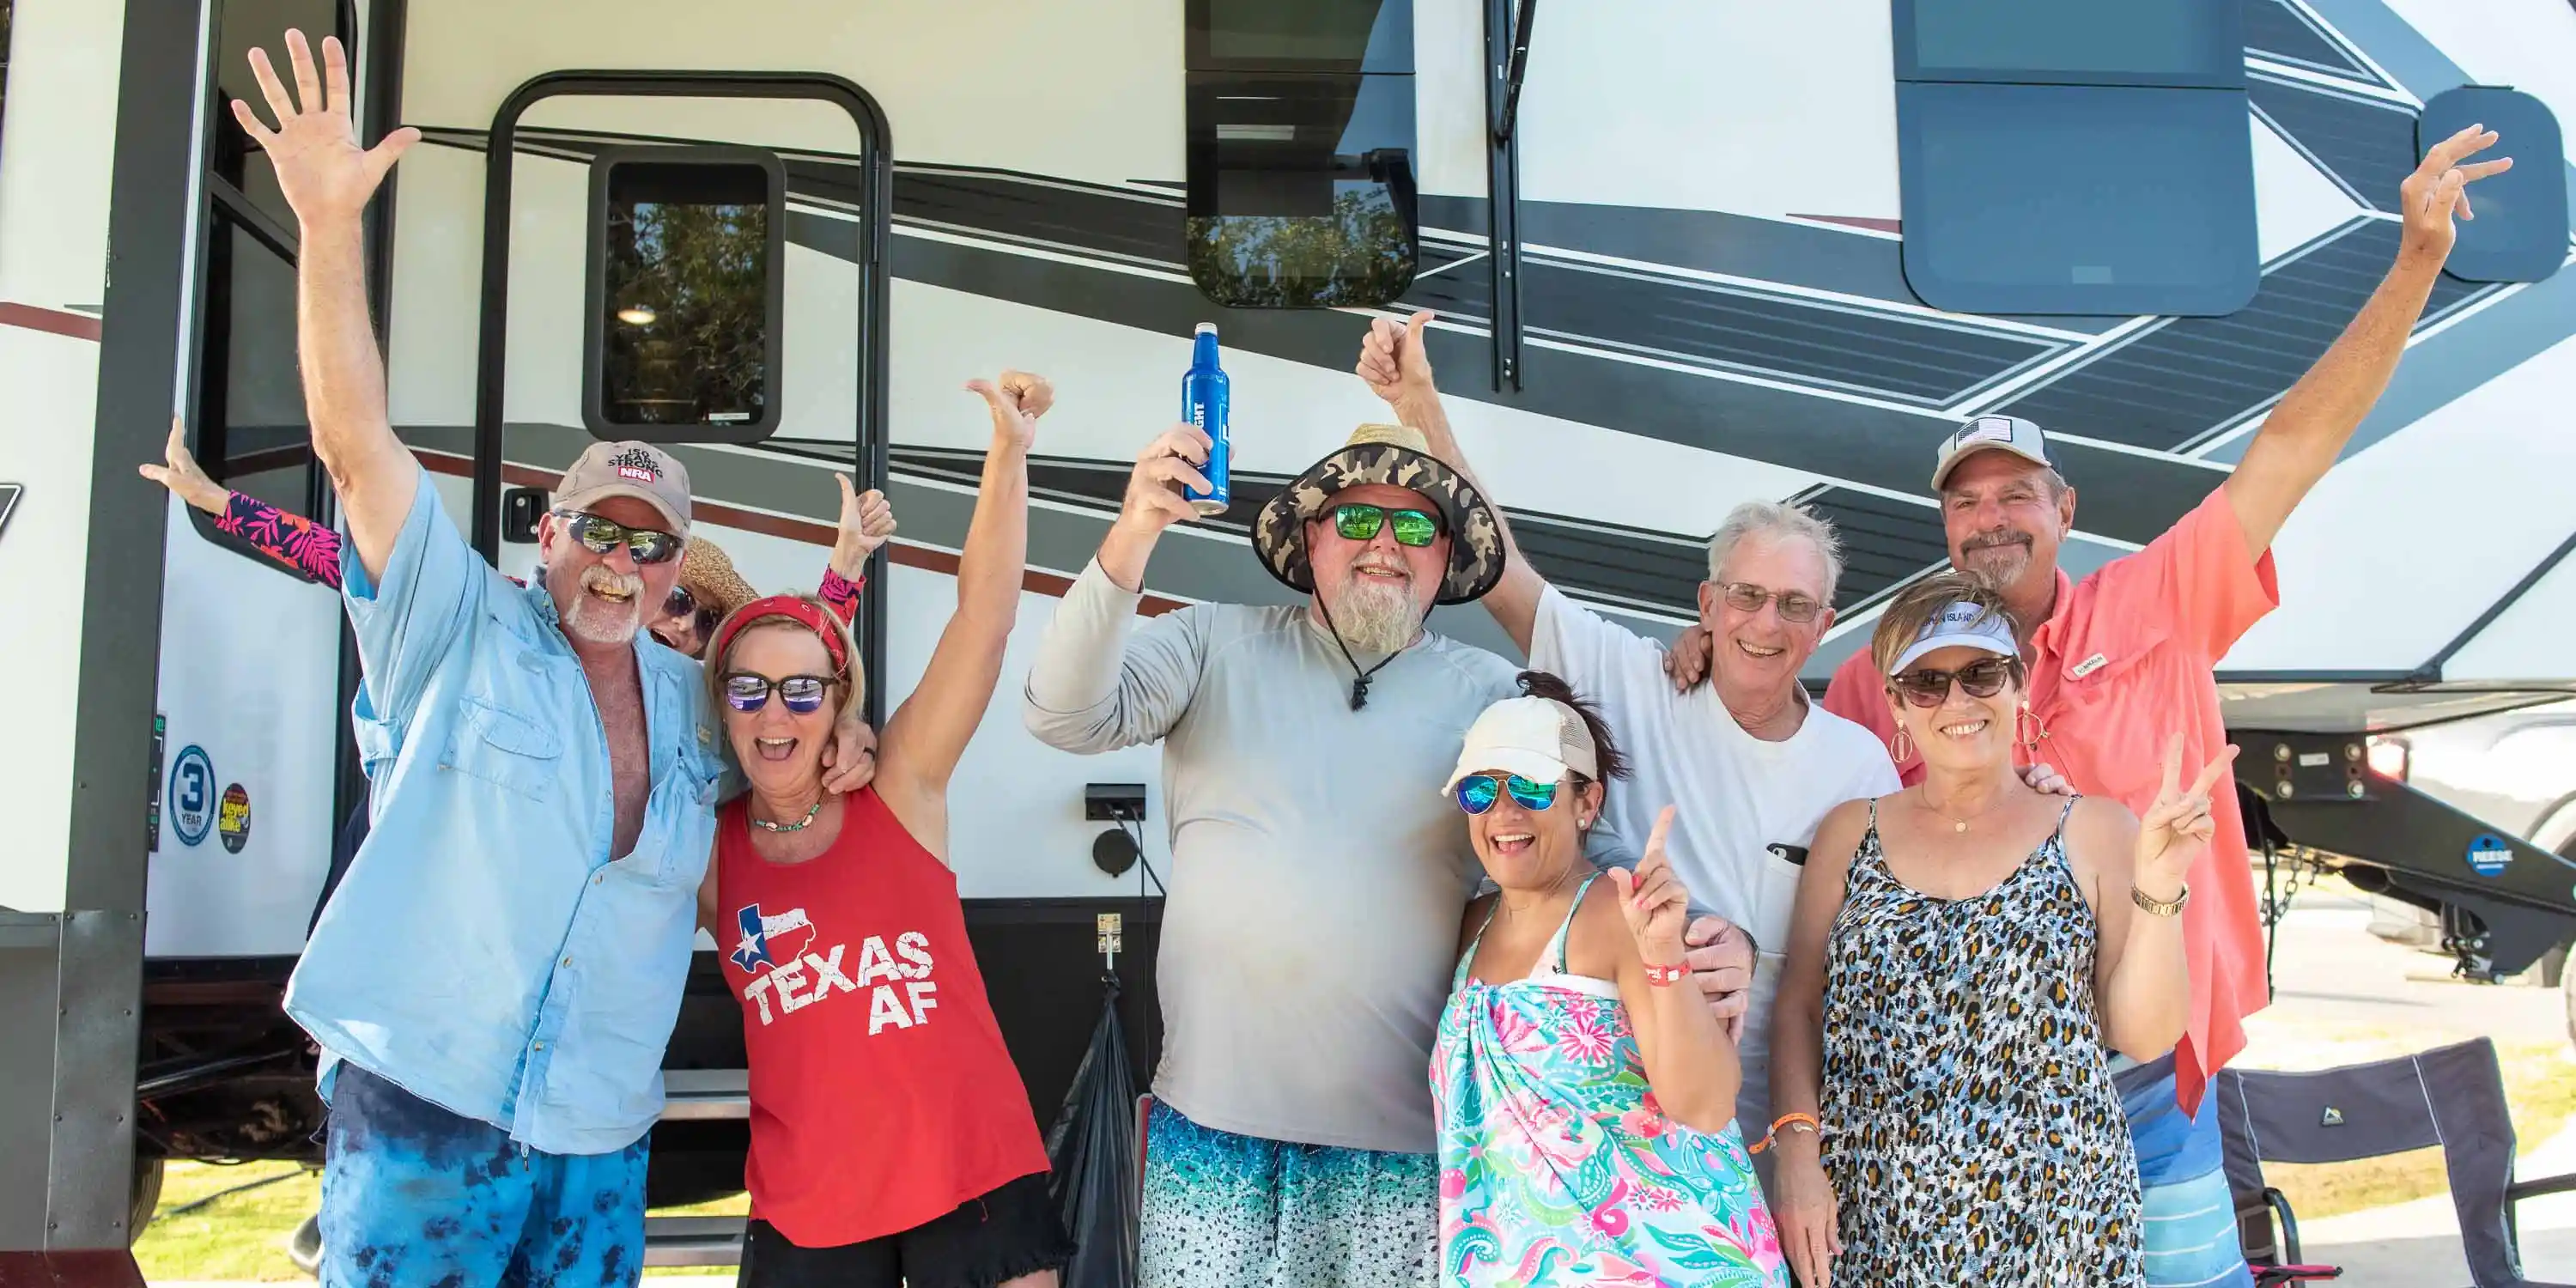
x=262 y=24
x=2051 y=42
x=2144 y=202
x=1301 y=189
x=2520 y=234
x=2085 y=158
x=685 y=299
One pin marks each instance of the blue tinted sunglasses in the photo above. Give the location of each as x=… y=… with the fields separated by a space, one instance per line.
x=1477 y=792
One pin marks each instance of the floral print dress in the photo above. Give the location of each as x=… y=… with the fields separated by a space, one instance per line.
x=1557 y=1168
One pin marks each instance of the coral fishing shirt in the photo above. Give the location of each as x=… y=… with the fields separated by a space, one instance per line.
x=2124 y=662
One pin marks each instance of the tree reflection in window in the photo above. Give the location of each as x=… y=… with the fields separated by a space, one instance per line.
x=1362 y=254
x=687 y=299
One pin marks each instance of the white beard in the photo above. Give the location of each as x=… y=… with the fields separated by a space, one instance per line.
x=595 y=621
x=1376 y=616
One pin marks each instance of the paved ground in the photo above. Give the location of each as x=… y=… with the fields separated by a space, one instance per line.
x=2342 y=995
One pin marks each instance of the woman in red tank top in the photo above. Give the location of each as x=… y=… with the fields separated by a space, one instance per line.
x=891 y=1139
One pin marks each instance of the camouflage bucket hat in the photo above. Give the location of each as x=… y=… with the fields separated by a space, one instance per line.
x=1397 y=456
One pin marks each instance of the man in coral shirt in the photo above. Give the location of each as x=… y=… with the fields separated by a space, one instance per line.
x=2119 y=658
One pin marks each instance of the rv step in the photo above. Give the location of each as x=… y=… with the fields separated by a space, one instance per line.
x=693 y=1240
x=706 y=1093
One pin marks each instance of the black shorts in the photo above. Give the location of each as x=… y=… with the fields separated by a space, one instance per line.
x=1010 y=1232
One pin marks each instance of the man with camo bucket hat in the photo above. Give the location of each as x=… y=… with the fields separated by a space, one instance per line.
x=1318 y=876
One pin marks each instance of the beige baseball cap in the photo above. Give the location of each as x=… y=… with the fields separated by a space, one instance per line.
x=638 y=470
x=1537 y=738
x=1991 y=434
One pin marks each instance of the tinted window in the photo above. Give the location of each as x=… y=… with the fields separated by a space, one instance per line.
x=2520 y=234
x=685 y=301
x=2144 y=204
x=1301 y=185
x=2157 y=42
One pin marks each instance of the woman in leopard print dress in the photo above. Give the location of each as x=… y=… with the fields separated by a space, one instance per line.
x=1962 y=952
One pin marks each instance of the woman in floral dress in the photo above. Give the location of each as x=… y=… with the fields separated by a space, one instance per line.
x=1586 y=1096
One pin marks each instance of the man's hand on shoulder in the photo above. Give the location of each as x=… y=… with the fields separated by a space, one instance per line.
x=1686 y=658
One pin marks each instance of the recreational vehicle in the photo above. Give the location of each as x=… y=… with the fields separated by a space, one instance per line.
x=1682 y=253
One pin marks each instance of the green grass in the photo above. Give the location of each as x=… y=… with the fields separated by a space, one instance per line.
x=243 y=1236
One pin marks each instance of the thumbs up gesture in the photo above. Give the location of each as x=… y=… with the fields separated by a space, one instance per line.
x=1393 y=361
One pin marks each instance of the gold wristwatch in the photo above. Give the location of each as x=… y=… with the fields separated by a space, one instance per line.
x=2155 y=907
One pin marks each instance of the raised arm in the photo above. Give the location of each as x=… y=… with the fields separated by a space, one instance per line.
x=2303 y=436
x=327 y=179
x=1690 y=1061
x=928 y=734
x=293 y=542
x=2141 y=982
x=1809 y=1236
x=1093 y=686
x=1396 y=365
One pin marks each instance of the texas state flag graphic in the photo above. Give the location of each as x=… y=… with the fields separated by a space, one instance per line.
x=767 y=941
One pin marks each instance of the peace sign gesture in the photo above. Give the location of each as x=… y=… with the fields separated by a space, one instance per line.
x=1653 y=899
x=2177 y=827
x=2441 y=183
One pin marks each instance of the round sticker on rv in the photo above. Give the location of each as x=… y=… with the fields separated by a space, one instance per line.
x=192 y=795
x=2489 y=856
x=232 y=821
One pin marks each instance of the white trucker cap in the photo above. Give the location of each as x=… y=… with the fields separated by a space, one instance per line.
x=1961 y=625
x=1991 y=433
x=1537 y=738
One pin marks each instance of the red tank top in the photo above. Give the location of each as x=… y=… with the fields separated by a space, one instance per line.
x=881 y=1093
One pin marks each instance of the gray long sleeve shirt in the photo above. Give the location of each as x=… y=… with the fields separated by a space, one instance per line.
x=1318 y=873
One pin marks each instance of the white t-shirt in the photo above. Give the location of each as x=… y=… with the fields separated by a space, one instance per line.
x=1734 y=796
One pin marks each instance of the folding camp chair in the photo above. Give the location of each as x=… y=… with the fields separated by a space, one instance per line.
x=2450 y=1096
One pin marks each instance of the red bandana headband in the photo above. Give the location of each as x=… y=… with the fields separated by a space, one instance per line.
x=814 y=619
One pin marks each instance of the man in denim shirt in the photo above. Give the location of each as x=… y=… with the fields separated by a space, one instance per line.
x=495 y=981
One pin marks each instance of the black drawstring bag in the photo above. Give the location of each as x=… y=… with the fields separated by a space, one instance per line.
x=1092 y=1148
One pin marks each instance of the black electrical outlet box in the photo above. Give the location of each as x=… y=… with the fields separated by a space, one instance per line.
x=521 y=507
x=1113 y=802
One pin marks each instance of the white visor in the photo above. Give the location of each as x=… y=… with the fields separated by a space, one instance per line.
x=1960 y=626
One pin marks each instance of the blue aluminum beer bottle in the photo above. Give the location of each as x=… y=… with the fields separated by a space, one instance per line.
x=1203 y=403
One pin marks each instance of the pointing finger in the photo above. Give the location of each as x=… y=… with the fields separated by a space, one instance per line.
x=1663 y=829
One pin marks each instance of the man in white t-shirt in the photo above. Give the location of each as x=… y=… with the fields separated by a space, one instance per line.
x=1748 y=763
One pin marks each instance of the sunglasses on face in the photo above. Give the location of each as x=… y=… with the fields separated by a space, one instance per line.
x=1361 y=523
x=1477 y=792
x=1929 y=688
x=699 y=617
x=603 y=536
x=746 y=692
x=1745 y=597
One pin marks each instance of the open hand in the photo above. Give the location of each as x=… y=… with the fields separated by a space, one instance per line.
x=321 y=170
x=1653 y=900
x=2177 y=827
x=182 y=476
x=1810 y=1236
x=1016 y=400
x=1393 y=360
x=2441 y=184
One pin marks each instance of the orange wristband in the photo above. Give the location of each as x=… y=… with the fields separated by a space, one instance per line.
x=1808 y=1121
x=1660 y=976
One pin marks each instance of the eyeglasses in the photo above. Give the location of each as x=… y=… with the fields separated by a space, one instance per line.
x=1358 y=522
x=746 y=692
x=1745 y=597
x=1929 y=688
x=603 y=536
x=1477 y=792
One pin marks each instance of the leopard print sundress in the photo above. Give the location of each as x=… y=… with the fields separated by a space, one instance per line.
x=1973 y=1133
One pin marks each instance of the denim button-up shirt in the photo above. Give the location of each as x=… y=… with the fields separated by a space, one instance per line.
x=485 y=950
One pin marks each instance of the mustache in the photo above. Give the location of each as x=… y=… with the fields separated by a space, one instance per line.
x=601 y=577
x=1993 y=540
x=1371 y=563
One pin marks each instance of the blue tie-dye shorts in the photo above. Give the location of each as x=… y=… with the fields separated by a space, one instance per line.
x=416 y=1197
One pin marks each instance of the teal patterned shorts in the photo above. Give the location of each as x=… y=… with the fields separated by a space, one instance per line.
x=1229 y=1211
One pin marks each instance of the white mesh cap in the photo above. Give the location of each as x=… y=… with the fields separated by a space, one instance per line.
x=1539 y=739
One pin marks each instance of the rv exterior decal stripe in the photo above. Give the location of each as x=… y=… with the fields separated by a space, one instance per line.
x=79 y=326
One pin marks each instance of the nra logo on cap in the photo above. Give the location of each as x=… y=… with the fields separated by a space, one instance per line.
x=637 y=465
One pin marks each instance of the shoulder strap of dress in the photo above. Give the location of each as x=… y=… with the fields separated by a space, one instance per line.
x=2057 y=839
x=1458 y=977
x=1554 y=958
